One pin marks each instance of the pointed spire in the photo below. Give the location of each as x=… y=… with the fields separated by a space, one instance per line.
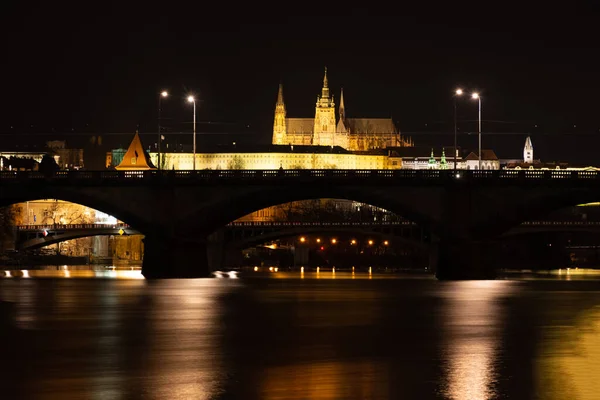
x=528 y=151
x=432 y=160
x=342 y=108
x=443 y=163
x=325 y=90
x=280 y=95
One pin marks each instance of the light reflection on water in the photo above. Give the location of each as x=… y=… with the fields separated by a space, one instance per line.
x=473 y=319
x=346 y=337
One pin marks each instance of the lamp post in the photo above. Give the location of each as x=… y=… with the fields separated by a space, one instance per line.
x=478 y=97
x=160 y=97
x=457 y=93
x=191 y=99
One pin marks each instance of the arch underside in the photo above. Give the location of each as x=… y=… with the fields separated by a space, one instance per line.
x=286 y=233
x=76 y=197
x=32 y=244
x=234 y=207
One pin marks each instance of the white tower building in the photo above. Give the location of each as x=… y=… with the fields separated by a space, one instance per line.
x=528 y=151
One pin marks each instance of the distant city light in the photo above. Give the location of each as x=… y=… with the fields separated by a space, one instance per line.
x=318 y=240
x=191 y=99
x=302 y=239
x=334 y=240
x=459 y=92
x=385 y=243
x=370 y=242
x=164 y=93
x=475 y=95
x=353 y=241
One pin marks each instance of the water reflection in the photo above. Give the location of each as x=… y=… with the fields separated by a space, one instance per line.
x=472 y=318
x=284 y=337
x=327 y=380
x=569 y=361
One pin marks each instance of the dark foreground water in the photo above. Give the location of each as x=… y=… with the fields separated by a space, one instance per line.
x=288 y=338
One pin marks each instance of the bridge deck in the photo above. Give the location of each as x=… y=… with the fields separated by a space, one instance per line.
x=350 y=176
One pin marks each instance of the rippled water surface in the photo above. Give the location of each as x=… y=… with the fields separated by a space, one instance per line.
x=281 y=337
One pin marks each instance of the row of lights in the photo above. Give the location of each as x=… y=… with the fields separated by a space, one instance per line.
x=352 y=242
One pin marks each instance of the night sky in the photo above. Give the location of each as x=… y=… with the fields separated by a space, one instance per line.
x=98 y=69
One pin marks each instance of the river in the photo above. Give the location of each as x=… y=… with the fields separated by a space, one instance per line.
x=287 y=336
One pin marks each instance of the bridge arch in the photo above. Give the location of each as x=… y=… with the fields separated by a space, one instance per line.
x=298 y=231
x=71 y=234
x=407 y=202
x=78 y=198
x=539 y=205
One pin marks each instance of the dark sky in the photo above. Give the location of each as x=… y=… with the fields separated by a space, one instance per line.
x=98 y=68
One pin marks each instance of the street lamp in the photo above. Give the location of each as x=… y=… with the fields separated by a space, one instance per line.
x=457 y=93
x=160 y=97
x=191 y=99
x=478 y=97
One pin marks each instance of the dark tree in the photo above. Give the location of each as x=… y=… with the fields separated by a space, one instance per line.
x=48 y=165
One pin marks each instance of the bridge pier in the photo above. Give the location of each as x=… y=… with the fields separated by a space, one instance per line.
x=174 y=258
x=464 y=260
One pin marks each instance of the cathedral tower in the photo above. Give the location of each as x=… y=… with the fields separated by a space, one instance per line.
x=528 y=151
x=324 y=131
x=342 y=107
x=279 y=125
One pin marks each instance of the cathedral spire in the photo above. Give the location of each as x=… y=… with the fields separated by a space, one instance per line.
x=280 y=96
x=279 y=124
x=325 y=90
x=342 y=108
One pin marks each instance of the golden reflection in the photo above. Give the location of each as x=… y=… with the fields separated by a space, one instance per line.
x=76 y=273
x=473 y=321
x=569 y=364
x=326 y=380
x=185 y=361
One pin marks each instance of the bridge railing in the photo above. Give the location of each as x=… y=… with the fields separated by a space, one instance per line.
x=54 y=227
x=400 y=174
x=561 y=223
x=320 y=224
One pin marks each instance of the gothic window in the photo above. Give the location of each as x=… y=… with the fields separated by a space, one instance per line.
x=133 y=160
x=324 y=127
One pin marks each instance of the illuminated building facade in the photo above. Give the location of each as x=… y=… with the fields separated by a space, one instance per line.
x=280 y=156
x=327 y=129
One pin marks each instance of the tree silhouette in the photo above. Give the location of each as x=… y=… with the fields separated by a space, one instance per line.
x=48 y=165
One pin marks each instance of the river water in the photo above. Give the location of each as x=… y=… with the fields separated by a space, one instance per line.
x=283 y=336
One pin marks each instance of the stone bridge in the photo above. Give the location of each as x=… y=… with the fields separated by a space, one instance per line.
x=31 y=237
x=178 y=210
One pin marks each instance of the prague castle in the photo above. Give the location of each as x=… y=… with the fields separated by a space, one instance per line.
x=353 y=134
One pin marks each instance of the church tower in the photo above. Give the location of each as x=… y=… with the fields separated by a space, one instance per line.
x=324 y=131
x=279 y=125
x=342 y=107
x=528 y=151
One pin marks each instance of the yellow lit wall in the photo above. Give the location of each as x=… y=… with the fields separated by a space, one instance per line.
x=265 y=161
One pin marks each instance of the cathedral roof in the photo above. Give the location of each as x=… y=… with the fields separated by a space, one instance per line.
x=371 y=125
x=136 y=158
x=300 y=125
